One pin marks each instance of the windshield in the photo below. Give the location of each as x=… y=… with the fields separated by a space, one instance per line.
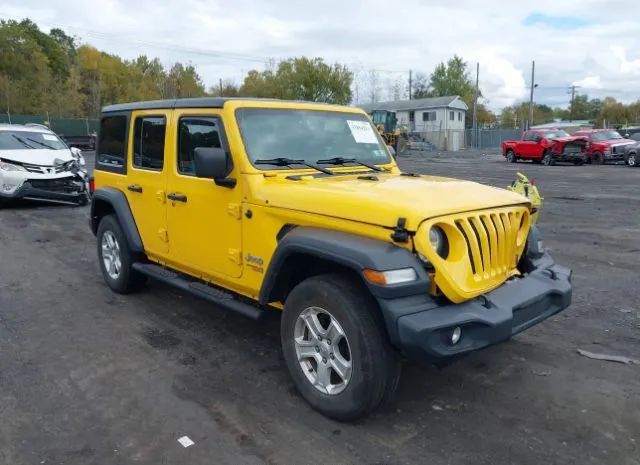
x=29 y=140
x=309 y=135
x=605 y=135
x=555 y=134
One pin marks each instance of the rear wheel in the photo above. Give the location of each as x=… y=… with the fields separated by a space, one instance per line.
x=116 y=258
x=597 y=158
x=511 y=156
x=336 y=349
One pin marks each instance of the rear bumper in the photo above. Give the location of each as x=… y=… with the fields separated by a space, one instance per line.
x=424 y=329
x=27 y=191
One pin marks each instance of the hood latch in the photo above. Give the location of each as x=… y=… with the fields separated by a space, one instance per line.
x=400 y=233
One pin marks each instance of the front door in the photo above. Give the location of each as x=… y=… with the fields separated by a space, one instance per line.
x=146 y=180
x=204 y=219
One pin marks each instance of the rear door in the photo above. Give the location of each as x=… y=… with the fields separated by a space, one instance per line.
x=146 y=180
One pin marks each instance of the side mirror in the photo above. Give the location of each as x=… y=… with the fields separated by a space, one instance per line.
x=213 y=163
x=626 y=136
x=538 y=138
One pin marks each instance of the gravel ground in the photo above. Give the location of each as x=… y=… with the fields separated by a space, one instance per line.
x=90 y=377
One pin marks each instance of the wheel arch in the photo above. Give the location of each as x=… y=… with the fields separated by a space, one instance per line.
x=304 y=252
x=106 y=201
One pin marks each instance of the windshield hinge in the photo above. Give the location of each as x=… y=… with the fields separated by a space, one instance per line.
x=400 y=233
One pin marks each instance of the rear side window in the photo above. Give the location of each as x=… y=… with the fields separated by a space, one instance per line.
x=148 y=142
x=112 y=143
x=193 y=132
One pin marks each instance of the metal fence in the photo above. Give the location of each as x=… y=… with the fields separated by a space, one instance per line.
x=489 y=138
x=61 y=126
x=455 y=140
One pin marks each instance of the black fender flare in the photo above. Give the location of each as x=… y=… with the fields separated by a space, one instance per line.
x=350 y=251
x=118 y=202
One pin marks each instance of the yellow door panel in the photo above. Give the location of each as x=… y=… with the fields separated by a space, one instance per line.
x=203 y=219
x=149 y=143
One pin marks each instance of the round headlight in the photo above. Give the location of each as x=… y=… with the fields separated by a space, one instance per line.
x=438 y=240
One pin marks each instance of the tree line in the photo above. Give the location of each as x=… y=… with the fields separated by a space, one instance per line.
x=601 y=112
x=51 y=73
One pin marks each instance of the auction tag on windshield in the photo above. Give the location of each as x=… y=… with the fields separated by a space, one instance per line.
x=362 y=132
x=49 y=137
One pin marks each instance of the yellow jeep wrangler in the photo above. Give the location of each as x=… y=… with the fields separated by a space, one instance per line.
x=264 y=204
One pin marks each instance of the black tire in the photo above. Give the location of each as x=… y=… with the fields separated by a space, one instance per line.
x=128 y=280
x=375 y=365
x=547 y=159
x=511 y=156
x=597 y=158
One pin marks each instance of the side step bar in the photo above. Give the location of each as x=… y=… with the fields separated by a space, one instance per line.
x=199 y=289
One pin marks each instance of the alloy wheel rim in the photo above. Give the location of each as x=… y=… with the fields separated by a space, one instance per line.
x=111 y=255
x=322 y=350
x=632 y=160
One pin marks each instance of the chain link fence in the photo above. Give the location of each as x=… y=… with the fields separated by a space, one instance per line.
x=61 y=126
x=454 y=140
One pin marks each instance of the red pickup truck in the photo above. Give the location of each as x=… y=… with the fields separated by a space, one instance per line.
x=604 y=145
x=546 y=146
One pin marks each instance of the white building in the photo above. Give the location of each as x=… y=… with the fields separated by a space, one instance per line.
x=441 y=120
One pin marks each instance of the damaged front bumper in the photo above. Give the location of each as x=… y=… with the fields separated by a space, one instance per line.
x=428 y=330
x=59 y=190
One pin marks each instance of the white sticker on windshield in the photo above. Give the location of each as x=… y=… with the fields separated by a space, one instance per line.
x=49 y=137
x=362 y=132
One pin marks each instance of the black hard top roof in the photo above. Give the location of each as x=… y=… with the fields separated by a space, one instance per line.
x=201 y=102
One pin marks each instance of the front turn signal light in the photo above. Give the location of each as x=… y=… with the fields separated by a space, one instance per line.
x=388 y=278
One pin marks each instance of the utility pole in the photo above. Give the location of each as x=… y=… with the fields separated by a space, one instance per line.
x=220 y=82
x=573 y=97
x=475 y=107
x=410 y=84
x=533 y=69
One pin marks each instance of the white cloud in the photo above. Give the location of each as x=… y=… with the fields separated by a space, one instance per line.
x=602 y=55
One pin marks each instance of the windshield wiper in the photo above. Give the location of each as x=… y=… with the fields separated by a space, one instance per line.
x=21 y=140
x=281 y=161
x=41 y=143
x=342 y=161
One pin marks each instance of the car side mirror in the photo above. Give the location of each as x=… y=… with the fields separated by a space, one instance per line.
x=538 y=138
x=213 y=163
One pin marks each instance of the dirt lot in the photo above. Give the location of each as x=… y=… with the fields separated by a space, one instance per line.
x=90 y=377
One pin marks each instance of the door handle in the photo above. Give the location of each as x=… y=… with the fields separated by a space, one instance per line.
x=135 y=188
x=177 y=197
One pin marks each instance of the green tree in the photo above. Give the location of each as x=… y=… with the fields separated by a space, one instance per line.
x=301 y=79
x=452 y=78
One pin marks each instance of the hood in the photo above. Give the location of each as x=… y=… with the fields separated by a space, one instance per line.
x=383 y=201
x=41 y=157
x=615 y=142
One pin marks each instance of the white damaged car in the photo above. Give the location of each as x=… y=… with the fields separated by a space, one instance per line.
x=36 y=165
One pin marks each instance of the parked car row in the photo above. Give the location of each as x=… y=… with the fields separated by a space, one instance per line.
x=595 y=146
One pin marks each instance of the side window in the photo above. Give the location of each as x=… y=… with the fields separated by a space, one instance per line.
x=459 y=116
x=635 y=136
x=148 y=142
x=193 y=132
x=433 y=116
x=112 y=143
x=530 y=136
x=451 y=115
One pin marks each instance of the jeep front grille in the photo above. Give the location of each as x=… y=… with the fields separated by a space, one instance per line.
x=484 y=249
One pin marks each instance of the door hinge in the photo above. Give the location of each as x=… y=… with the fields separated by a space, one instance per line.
x=400 y=233
x=161 y=196
x=235 y=256
x=163 y=235
x=233 y=209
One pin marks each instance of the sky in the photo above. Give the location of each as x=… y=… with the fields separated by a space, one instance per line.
x=594 y=45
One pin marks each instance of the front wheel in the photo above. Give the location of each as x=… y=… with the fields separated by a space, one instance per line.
x=597 y=158
x=335 y=347
x=632 y=160
x=547 y=160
